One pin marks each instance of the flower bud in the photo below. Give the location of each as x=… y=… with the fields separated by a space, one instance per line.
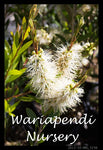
x=81 y=23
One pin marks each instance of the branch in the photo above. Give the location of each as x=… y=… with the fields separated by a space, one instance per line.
x=21 y=94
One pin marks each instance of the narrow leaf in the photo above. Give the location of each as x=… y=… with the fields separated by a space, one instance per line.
x=11 y=78
x=27 y=32
x=16 y=39
x=14 y=74
x=17 y=91
x=11 y=114
x=41 y=140
x=7 y=47
x=6 y=106
x=17 y=72
x=31 y=22
x=6 y=60
x=13 y=107
x=25 y=47
x=27 y=98
x=31 y=114
x=23 y=25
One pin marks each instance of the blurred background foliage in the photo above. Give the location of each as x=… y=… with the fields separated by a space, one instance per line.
x=61 y=20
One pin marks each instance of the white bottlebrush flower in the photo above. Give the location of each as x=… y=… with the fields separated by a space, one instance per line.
x=68 y=99
x=55 y=79
x=84 y=8
x=43 y=37
x=69 y=62
x=85 y=61
x=42 y=72
x=42 y=8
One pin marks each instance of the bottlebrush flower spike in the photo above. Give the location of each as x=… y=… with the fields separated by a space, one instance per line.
x=42 y=72
x=68 y=62
x=43 y=37
x=68 y=99
x=55 y=78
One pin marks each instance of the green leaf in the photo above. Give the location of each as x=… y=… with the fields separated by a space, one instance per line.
x=17 y=91
x=90 y=28
x=15 y=65
x=27 y=32
x=41 y=141
x=27 y=87
x=25 y=47
x=23 y=25
x=38 y=100
x=6 y=60
x=7 y=47
x=23 y=58
x=14 y=74
x=31 y=22
x=7 y=54
x=30 y=98
x=11 y=114
x=15 y=44
x=17 y=72
x=27 y=98
x=11 y=78
x=22 y=50
x=10 y=108
x=13 y=107
x=32 y=115
x=14 y=48
x=16 y=39
x=6 y=105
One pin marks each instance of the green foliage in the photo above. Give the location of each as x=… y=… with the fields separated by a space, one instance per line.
x=24 y=47
x=30 y=98
x=23 y=25
x=10 y=108
x=62 y=21
x=14 y=74
x=14 y=68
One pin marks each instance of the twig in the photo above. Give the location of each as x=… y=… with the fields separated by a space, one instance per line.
x=82 y=80
x=35 y=44
x=21 y=94
x=72 y=42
